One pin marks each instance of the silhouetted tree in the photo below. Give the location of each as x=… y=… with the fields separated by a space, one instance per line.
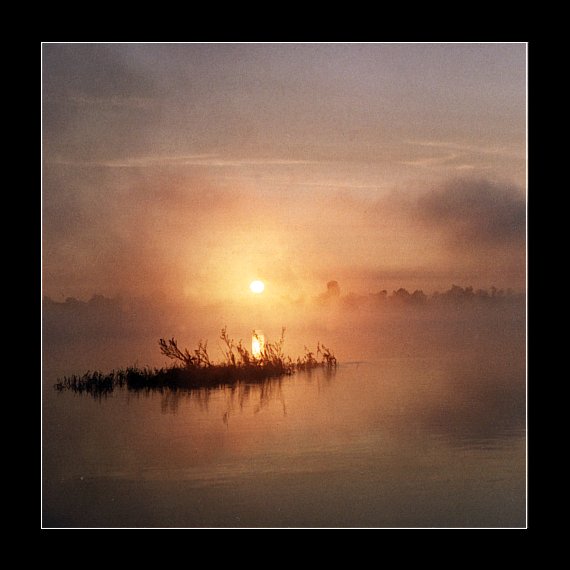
x=333 y=289
x=401 y=295
x=419 y=297
x=456 y=292
x=482 y=294
x=332 y=292
x=382 y=295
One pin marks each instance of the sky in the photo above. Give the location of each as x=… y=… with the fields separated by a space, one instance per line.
x=185 y=171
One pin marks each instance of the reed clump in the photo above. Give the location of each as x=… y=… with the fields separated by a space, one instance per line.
x=195 y=369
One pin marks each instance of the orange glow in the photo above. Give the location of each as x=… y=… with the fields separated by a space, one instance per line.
x=257 y=343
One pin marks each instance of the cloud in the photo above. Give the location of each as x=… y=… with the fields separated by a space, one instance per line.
x=96 y=73
x=481 y=212
x=204 y=160
x=503 y=151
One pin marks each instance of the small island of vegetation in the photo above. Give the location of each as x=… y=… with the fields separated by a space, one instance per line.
x=195 y=369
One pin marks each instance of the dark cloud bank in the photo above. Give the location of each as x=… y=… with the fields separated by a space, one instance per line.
x=480 y=212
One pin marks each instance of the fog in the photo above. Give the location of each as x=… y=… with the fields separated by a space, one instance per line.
x=174 y=175
x=377 y=190
x=204 y=239
x=104 y=333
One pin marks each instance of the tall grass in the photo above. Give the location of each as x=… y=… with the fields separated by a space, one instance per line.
x=195 y=369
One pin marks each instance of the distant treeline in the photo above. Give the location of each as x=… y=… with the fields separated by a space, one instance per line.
x=456 y=295
x=99 y=317
x=113 y=319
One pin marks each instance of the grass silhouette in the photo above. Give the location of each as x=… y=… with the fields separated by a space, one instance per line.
x=195 y=369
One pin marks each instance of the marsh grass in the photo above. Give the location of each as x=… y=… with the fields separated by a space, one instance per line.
x=195 y=369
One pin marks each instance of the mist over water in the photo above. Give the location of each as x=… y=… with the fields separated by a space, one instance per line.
x=355 y=327
x=422 y=424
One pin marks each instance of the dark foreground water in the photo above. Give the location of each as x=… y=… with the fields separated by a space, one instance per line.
x=394 y=441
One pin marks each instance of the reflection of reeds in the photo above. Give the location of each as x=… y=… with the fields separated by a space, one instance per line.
x=195 y=370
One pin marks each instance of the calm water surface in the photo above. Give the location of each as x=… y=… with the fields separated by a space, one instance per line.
x=392 y=442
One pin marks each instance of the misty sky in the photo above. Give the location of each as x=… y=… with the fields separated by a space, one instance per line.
x=189 y=170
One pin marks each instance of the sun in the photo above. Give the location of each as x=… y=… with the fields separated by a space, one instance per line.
x=257 y=286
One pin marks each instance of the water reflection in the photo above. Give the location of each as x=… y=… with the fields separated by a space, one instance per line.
x=171 y=399
x=395 y=442
x=258 y=393
x=236 y=397
x=474 y=401
x=482 y=413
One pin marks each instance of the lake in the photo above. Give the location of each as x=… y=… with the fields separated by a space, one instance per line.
x=429 y=437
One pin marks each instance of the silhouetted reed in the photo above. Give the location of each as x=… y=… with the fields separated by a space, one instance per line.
x=196 y=370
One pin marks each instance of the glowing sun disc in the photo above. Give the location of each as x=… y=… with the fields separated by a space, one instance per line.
x=257 y=287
